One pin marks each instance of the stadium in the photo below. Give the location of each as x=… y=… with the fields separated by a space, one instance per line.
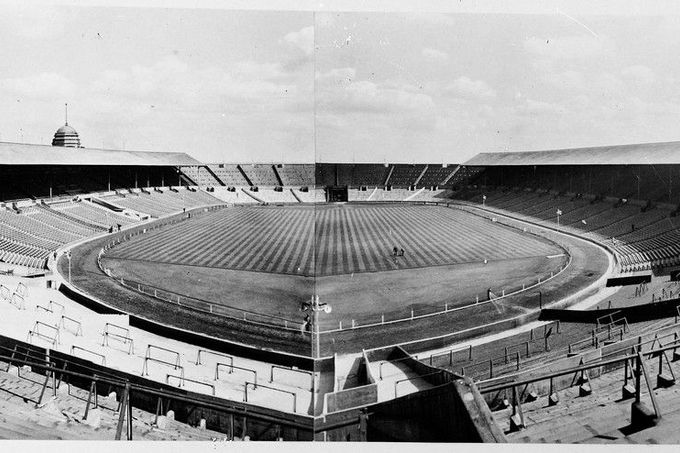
x=152 y=296
x=312 y=224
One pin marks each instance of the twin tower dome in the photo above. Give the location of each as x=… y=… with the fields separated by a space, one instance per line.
x=66 y=135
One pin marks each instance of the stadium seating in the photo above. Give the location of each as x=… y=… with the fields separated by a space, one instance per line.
x=229 y=174
x=404 y=175
x=296 y=175
x=201 y=175
x=157 y=204
x=369 y=175
x=31 y=234
x=261 y=175
x=642 y=238
x=91 y=212
x=435 y=175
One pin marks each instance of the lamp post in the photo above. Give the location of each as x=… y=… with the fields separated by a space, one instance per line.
x=68 y=255
x=638 y=186
x=315 y=307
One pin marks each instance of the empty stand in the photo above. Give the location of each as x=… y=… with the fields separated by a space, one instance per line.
x=296 y=175
x=261 y=174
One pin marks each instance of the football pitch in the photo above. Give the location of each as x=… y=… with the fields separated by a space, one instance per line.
x=333 y=239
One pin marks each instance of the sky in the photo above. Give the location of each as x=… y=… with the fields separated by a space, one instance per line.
x=300 y=86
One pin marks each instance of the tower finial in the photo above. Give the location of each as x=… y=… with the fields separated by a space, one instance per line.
x=66 y=112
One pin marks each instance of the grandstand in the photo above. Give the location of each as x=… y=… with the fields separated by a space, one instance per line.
x=449 y=302
x=630 y=207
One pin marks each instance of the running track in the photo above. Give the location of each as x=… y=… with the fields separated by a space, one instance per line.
x=329 y=240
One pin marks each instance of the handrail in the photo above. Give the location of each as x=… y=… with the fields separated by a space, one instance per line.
x=124 y=339
x=102 y=356
x=145 y=366
x=231 y=368
x=150 y=346
x=208 y=351
x=573 y=370
x=183 y=379
x=256 y=386
x=118 y=382
x=136 y=285
x=610 y=316
x=79 y=330
x=124 y=329
x=63 y=308
x=309 y=373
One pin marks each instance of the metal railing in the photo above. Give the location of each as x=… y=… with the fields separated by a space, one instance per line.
x=258 y=386
x=79 y=348
x=218 y=354
x=125 y=406
x=79 y=328
x=181 y=380
x=354 y=324
x=624 y=361
x=231 y=370
x=292 y=370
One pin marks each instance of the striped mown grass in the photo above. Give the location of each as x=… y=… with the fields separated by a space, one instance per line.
x=334 y=239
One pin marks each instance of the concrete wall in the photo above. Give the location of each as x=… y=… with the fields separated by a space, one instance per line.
x=633 y=313
x=451 y=411
x=351 y=398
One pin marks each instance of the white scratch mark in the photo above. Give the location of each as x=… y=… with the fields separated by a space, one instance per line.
x=580 y=23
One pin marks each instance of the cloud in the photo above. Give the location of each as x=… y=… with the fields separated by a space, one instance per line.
x=35 y=22
x=639 y=74
x=44 y=86
x=542 y=108
x=435 y=55
x=302 y=39
x=336 y=77
x=339 y=91
x=568 y=47
x=139 y=107
x=171 y=84
x=567 y=80
x=471 y=89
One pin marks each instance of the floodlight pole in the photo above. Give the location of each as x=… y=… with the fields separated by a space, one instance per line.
x=316 y=307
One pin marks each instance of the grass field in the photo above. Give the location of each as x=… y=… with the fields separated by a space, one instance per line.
x=515 y=258
x=332 y=240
